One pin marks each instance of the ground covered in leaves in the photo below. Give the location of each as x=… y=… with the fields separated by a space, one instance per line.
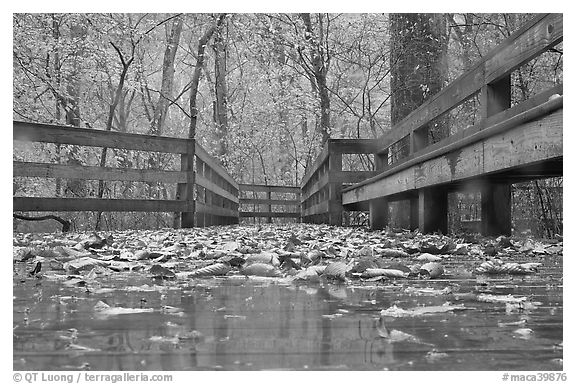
x=442 y=276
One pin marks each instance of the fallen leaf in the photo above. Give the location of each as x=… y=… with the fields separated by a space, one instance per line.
x=335 y=270
x=428 y=257
x=83 y=264
x=218 y=269
x=374 y=272
x=395 y=311
x=160 y=272
x=387 y=252
x=260 y=269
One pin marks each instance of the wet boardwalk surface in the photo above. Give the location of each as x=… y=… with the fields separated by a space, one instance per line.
x=235 y=322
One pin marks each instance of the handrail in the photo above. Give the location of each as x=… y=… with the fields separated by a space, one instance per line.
x=470 y=136
x=49 y=133
x=269 y=201
x=268 y=188
x=220 y=204
x=535 y=37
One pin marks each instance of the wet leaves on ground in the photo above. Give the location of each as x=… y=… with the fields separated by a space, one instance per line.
x=382 y=275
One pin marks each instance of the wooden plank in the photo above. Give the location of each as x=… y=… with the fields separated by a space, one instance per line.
x=317 y=163
x=215 y=210
x=532 y=142
x=396 y=183
x=319 y=208
x=204 y=182
x=214 y=165
x=524 y=106
x=449 y=98
x=270 y=201
x=46 y=133
x=68 y=171
x=185 y=191
x=433 y=210
x=469 y=136
x=519 y=50
x=268 y=188
x=496 y=209
x=352 y=146
x=496 y=64
x=295 y=215
x=350 y=177
x=44 y=204
x=458 y=165
x=378 y=209
x=335 y=190
x=496 y=97
x=316 y=187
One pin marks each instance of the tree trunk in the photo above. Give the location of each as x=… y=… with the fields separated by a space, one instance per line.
x=71 y=103
x=419 y=70
x=197 y=73
x=319 y=70
x=58 y=102
x=111 y=112
x=220 y=88
x=418 y=55
x=161 y=107
x=165 y=96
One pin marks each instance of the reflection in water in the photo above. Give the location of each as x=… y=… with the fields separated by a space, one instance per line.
x=263 y=324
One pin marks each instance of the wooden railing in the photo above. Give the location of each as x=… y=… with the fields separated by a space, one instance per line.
x=518 y=142
x=206 y=194
x=269 y=201
x=216 y=192
x=490 y=77
x=322 y=184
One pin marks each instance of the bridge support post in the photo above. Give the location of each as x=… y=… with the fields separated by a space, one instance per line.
x=269 y=196
x=378 y=213
x=334 y=188
x=186 y=191
x=496 y=209
x=414 y=203
x=433 y=210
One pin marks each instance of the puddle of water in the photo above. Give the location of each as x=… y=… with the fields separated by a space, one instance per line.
x=241 y=324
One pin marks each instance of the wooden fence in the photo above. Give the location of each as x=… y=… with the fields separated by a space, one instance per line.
x=509 y=144
x=206 y=193
x=322 y=184
x=269 y=201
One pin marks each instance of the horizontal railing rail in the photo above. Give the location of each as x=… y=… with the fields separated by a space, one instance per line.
x=478 y=132
x=206 y=193
x=322 y=184
x=269 y=201
x=217 y=192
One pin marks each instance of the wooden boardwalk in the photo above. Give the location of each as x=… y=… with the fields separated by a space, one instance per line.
x=511 y=143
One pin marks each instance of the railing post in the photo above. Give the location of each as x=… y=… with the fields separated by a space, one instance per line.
x=433 y=210
x=269 y=196
x=186 y=191
x=418 y=139
x=334 y=185
x=496 y=197
x=496 y=97
x=381 y=160
x=378 y=213
x=496 y=209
